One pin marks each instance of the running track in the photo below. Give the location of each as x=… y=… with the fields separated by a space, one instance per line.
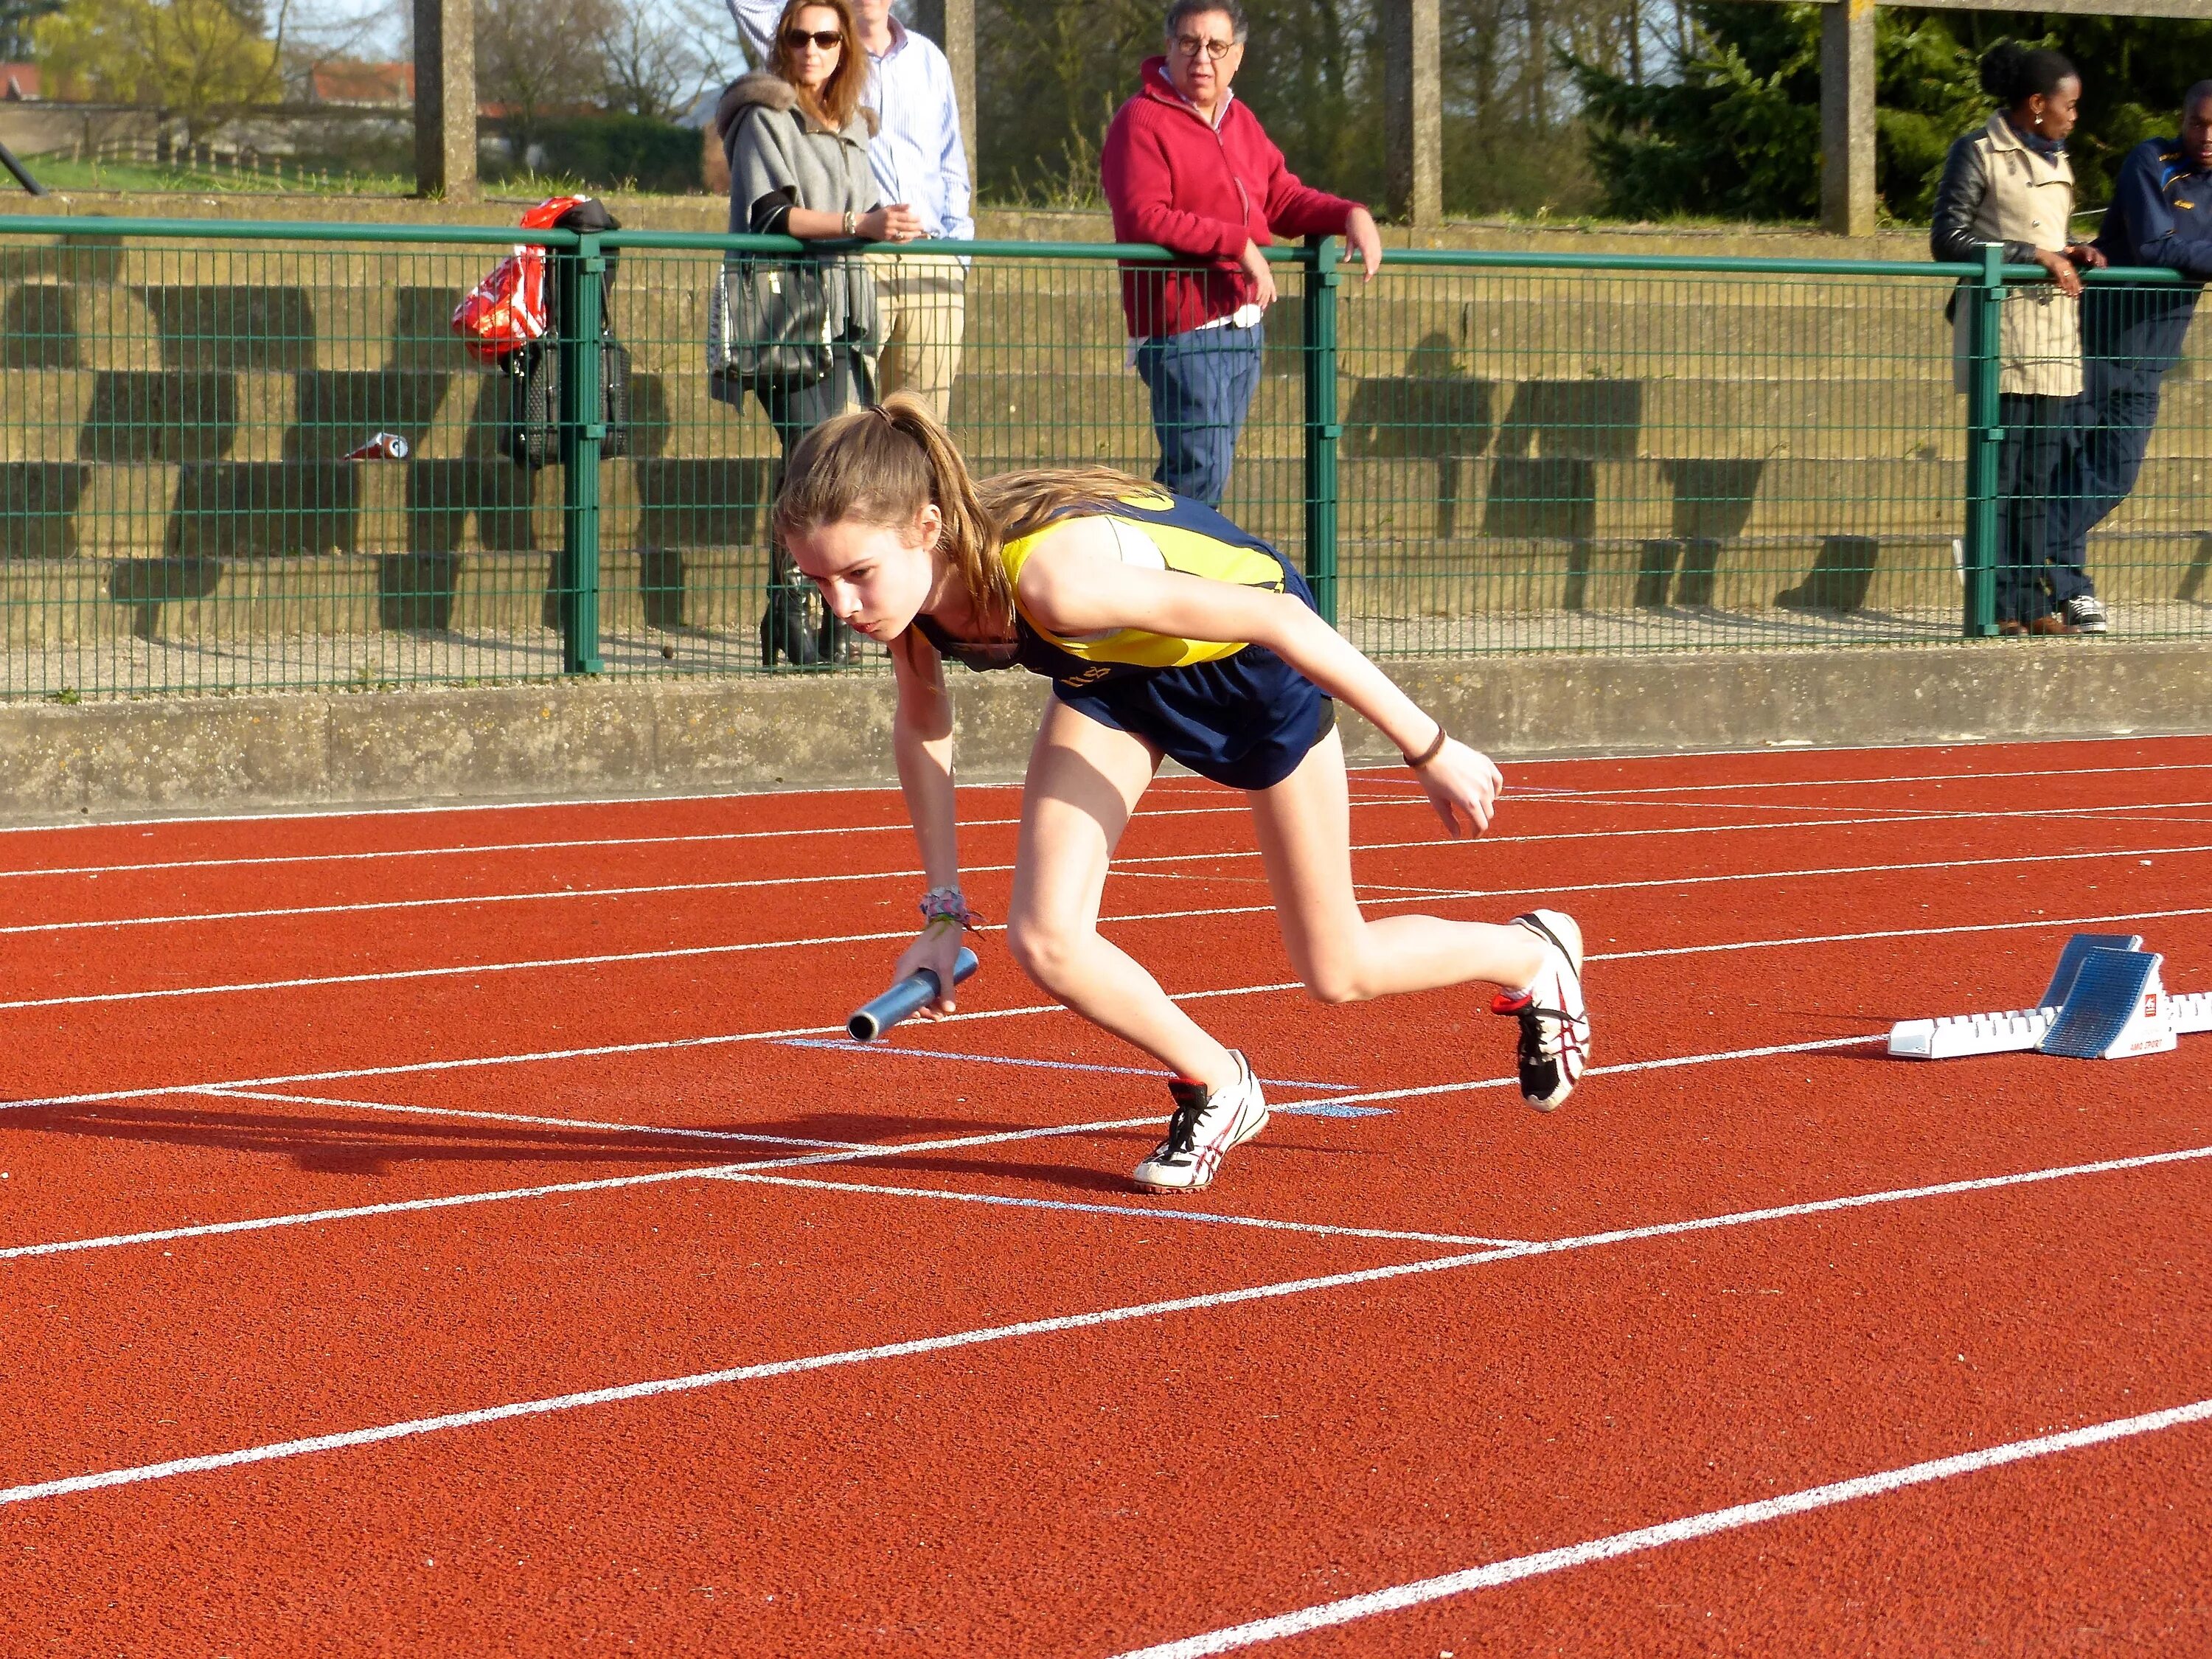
x=461 y=1233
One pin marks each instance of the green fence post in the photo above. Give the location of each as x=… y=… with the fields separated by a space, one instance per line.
x=581 y=277
x=1984 y=433
x=1322 y=428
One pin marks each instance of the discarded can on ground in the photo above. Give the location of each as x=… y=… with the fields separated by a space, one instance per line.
x=384 y=446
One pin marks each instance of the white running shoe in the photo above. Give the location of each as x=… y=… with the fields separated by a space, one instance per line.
x=1205 y=1125
x=1555 y=1027
x=2084 y=614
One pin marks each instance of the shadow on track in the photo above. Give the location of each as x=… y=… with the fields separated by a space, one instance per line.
x=368 y=1144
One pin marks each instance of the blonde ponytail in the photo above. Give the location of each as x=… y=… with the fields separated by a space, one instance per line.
x=882 y=466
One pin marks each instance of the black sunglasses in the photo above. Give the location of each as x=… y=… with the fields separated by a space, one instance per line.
x=824 y=38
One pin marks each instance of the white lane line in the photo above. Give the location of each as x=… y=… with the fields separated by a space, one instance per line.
x=854 y=1155
x=656 y=1130
x=848 y=1047
x=350 y=1212
x=1397 y=895
x=559 y=1190
x=455 y=900
x=1713 y=1522
x=1860 y=783
x=1125 y=1211
x=643 y=1390
x=1626 y=1066
x=1205 y=811
x=461 y=971
x=633 y=1391
x=1861 y=1201
x=1892 y=932
x=1374 y=772
x=536 y=1056
x=1422 y=895
x=465 y=849
x=678 y=953
x=412 y=1067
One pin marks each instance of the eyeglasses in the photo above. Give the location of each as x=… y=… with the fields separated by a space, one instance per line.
x=1189 y=46
x=823 y=40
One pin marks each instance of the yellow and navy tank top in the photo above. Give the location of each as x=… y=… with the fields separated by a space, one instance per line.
x=1152 y=530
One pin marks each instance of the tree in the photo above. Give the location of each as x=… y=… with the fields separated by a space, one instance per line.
x=16 y=19
x=535 y=60
x=200 y=60
x=1048 y=77
x=1738 y=131
x=658 y=58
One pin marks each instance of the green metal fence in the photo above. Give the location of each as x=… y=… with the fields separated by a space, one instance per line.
x=1474 y=452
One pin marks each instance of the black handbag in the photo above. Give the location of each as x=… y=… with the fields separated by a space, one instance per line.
x=769 y=322
x=533 y=426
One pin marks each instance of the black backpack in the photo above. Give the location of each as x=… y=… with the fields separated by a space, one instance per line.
x=533 y=427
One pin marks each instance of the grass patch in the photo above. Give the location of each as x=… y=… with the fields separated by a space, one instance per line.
x=59 y=173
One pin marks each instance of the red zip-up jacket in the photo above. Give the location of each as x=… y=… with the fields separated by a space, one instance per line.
x=1172 y=179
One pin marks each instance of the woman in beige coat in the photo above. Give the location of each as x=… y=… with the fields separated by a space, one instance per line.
x=2010 y=185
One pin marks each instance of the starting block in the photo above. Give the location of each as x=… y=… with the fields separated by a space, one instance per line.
x=2106 y=1001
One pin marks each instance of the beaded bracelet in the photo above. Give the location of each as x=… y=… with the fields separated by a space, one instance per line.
x=947 y=904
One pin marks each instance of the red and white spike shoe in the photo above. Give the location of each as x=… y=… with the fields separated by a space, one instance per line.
x=1207 y=1124
x=1555 y=1027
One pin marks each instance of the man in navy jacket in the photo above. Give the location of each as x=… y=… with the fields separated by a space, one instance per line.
x=2160 y=216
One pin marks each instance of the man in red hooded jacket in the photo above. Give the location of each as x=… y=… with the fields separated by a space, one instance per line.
x=1189 y=167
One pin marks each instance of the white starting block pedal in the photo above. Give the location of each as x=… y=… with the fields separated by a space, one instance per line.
x=2013 y=1032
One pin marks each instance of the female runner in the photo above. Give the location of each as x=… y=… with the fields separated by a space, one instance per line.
x=1167 y=631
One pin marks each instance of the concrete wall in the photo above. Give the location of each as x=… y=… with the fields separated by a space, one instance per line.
x=62 y=764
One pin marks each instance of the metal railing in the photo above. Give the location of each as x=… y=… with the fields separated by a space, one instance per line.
x=1477 y=452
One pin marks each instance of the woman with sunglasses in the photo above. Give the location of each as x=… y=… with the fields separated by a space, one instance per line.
x=1168 y=632
x=797 y=138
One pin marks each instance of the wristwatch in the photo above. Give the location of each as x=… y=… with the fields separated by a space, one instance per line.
x=852 y=221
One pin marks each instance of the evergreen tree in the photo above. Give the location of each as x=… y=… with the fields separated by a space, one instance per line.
x=1738 y=134
x=16 y=18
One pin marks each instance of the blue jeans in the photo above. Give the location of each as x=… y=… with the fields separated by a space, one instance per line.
x=2130 y=339
x=2031 y=583
x=1201 y=384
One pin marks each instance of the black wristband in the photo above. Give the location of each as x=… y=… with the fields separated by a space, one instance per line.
x=1417 y=762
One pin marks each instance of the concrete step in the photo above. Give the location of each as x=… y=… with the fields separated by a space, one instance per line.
x=232 y=306
x=316 y=415
x=718 y=588
x=477 y=498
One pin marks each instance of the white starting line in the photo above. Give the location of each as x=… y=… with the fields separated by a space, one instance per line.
x=625 y=1393
x=1712 y=1523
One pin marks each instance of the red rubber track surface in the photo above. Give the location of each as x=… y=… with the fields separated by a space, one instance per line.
x=505 y=1108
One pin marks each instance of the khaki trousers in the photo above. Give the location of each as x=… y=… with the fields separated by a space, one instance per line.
x=921 y=305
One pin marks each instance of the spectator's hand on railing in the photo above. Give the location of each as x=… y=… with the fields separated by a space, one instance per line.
x=2087 y=256
x=2062 y=272
x=895 y=223
x=1366 y=241
x=1254 y=261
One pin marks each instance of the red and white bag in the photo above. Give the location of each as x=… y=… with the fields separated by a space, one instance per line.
x=506 y=310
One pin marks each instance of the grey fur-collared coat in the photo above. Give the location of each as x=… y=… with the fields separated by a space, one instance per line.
x=780 y=156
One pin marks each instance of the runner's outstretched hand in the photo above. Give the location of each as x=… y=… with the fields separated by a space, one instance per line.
x=1462 y=785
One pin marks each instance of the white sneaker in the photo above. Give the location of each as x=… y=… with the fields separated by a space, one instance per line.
x=2084 y=614
x=1205 y=1125
x=1555 y=1028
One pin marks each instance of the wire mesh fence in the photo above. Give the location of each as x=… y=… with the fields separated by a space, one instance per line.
x=242 y=457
